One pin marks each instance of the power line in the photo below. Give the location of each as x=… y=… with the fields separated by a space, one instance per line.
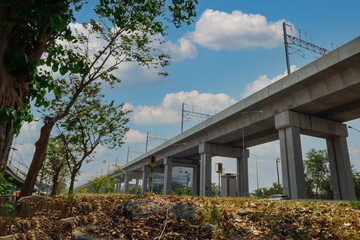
x=290 y=41
x=151 y=139
x=195 y=113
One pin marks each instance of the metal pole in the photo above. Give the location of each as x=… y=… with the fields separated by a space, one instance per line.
x=151 y=178
x=277 y=171
x=286 y=48
x=127 y=157
x=147 y=141
x=219 y=185
x=257 y=174
x=243 y=145
x=182 y=117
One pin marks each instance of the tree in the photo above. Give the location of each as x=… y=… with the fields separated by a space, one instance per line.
x=89 y=125
x=214 y=190
x=356 y=176
x=29 y=28
x=55 y=164
x=317 y=174
x=266 y=192
x=158 y=188
x=179 y=189
x=136 y=190
x=97 y=183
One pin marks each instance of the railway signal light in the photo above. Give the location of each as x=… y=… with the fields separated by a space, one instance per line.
x=152 y=160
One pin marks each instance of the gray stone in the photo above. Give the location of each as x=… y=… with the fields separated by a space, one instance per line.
x=210 y=228
x=143 y=208
x=67 y=222
x=86 y=233
x=8 y=237
x=243 y=212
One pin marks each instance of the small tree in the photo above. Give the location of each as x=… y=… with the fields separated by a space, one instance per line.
x=158 y=188
x=89 y=125
x=356 y=177
x=55 y=164
x=317 y=174
x=97 y=183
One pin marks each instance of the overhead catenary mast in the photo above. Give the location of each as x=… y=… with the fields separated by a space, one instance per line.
x=187 y=114
x=290 y=41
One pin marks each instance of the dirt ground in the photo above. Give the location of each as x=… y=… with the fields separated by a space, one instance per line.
x=148 y=216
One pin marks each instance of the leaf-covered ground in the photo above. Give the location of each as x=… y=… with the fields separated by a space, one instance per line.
x=171 y=217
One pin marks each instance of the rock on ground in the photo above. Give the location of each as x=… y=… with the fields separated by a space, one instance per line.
x=142 y=208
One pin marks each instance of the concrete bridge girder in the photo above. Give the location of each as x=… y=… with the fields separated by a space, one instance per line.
x=290 y=125
x=327 y=88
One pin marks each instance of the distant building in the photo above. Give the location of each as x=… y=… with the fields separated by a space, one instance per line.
x=179 y=174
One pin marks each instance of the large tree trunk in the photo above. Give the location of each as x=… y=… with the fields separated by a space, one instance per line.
x=11 y=91
x=14 y=83
x=6 y=137
x=72 y=182
x=55 y=183
x=38 y=158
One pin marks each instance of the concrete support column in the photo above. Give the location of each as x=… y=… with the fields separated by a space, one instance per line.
x=126 y=182
x=340 y=167
x=136 y=185
x=292 y=163
x=168 y=176
x=289 y=125
x=196 y=181
x=243 y=175
x=119 y=186
x=116 y=187
x=145 y=176
x=205 y=169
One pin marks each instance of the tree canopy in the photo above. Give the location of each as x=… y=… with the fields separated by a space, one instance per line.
x=129 y=29
x=317 y=174
x=30 y=28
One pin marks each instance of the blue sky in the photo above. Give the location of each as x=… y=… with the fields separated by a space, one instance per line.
x=233 y=48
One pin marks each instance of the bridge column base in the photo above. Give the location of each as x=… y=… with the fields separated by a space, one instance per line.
x=145 y=176
x=340 y=167
x=118 y=186
x=205 y=169
x=126 y=182
x=243 y=175
x=292 y=163
x=168 y=176
x=196 y=181
x=136 y=185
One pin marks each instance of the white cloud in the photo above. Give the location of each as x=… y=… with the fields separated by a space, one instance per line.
x=132 y=76
x=263 y=81
x=128 y=107
x=101 y=151
x=130 y=73
x=134 y=136
x=184 y=48
x=169 y=110
x=220 y=30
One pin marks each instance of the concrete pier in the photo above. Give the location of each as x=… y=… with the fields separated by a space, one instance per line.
x=168 y=176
